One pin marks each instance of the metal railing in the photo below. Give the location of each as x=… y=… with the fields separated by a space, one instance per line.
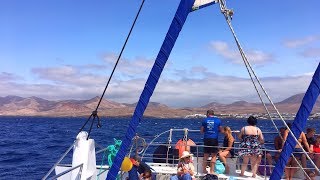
x=168 y=158
x=62 y=157
x=66 y=171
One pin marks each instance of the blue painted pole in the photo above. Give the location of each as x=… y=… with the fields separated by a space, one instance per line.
x=298 y=124
x=185 y=7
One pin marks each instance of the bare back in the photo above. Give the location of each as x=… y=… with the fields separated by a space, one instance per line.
x=251 y=130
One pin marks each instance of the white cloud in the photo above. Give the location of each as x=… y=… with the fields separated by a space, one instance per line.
x=48 y=91
x=233 y=55
x=311 y=53
x=5 y=76
x=226 y=89
x=69 y=75
x=198 y=69
x=128 y=67
x=180 y=92
x=294 y=43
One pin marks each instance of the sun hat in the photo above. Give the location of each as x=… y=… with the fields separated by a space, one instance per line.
x=185 y=154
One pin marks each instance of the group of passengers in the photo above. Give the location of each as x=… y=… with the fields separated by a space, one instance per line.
x=250 y=148
x=307 y=142
x=250 y=137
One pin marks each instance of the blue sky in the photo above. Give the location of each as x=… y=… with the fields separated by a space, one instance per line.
x=66 y=50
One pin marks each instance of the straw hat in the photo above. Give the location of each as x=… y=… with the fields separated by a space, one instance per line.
x=185 y=154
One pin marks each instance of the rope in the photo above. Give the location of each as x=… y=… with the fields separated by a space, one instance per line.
x=95 y=112
x=228 y=15
x=103 y=157
x=142 y=144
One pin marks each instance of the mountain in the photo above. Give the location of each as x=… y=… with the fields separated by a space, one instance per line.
x=8 y=99
x=293 y=103
x=35 y=106
x=293 y=99
x=212 y=105
x=150 y=105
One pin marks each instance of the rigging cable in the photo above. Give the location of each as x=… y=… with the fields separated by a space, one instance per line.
x=94 y=114
x=228 y=15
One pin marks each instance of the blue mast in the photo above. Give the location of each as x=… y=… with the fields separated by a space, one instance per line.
x=298 y=124
x=185 y=7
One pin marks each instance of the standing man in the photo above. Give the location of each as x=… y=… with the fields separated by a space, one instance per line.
x=210 y=128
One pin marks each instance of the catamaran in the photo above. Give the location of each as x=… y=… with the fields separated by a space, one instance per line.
x=84 y=166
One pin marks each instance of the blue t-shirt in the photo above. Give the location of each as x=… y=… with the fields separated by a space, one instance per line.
x=211 y=127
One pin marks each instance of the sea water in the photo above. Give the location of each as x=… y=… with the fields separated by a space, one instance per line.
x=29 y=146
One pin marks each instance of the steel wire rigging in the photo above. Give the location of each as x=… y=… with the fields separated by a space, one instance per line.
x=94 y=114
x=228 y=13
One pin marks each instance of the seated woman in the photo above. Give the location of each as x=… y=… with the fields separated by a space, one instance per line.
x=185 y=168
x=292 y=163
x=227 y=150
x=139 y=167
x=278 y=142
x=315 y=149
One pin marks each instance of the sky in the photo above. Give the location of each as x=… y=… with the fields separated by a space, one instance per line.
x=59 y=49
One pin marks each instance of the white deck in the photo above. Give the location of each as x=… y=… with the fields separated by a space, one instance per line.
x=164 y=171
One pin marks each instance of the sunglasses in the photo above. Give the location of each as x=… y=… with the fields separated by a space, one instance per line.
x=188 y=157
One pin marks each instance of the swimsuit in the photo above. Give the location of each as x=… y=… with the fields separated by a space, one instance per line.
x=250 y=145
x=316 y=149
x=225 y=145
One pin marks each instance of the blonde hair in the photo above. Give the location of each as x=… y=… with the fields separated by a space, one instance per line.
x=228 y=132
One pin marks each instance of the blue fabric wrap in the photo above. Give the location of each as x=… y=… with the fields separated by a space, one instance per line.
x=177 y=23
x=298 y=124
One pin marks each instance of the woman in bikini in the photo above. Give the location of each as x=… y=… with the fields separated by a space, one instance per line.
x=315 y=149
x=292 y=165
x=227 y=150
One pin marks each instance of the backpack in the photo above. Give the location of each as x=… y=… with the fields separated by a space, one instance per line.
x=219 y=167
x=210 y=177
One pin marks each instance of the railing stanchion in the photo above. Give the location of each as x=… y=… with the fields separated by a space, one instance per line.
x=54 y=166
x=265 y=163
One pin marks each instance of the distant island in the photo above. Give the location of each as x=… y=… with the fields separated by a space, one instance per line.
x=35 y=106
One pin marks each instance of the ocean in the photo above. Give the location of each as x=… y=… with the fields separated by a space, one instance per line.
x=29 y=146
